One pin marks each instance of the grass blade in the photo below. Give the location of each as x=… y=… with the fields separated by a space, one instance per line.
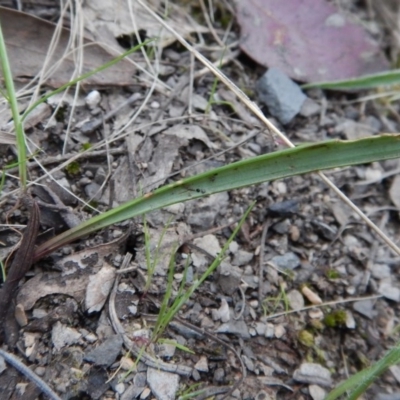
x=363 y=82
x=358 y=383
x=267 y=167
x=12 y=100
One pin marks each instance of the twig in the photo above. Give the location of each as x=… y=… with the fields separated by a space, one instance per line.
x=236 y=317
x=67 y=157
x=328 y=303
x=21 y=367
x=261 y=261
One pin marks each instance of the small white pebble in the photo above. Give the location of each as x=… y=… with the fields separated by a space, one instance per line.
x=155 y=104
x=91 y=337
x=127 y=364
x=178 y=277
x=269 y=332
x=253 y=303
x=117 y=233
x=279 y=331
x=120 y=388
x=350 y=321
x=316 y=314
x=93 y=99
x=40 y=371
x=233 y=247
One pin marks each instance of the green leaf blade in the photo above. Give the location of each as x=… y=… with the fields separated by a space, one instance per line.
x=364 y=82
x=267 y=167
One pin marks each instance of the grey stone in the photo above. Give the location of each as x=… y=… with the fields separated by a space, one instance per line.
x=164 y=385
x=284 y=209
x=238 y=328
x=229 y=277
x=309 y=108
x=185 y=331
x=2 y=365
x=219 y=375
x=196 y=375
x=261 y=328
x=381 y=271
x=395 y=370
x=350 y=321
x=242 y=258
x=62 y=335
x=248 y=362
x=316 y=392
x=223 y=311
x=93 y=191
x=287 y=261
x=251 y=281
x=388 y=396
x=262 y=395
x=282 y=227
x=282 y=96
x=313 y=374
x=389 y=292
x=100 y=176
x=202 y=364
x=106 y=353
x=296 y=299
x=364 y=307
x=166 y=350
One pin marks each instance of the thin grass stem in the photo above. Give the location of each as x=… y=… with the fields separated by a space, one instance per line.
x=12 y=101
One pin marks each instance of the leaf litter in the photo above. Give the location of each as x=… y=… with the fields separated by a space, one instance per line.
x=271 y=346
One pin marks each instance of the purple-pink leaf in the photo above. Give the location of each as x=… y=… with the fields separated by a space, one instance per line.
x=309 y=40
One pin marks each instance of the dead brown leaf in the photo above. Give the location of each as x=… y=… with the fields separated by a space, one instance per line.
x=28 y=39
x=117 y=17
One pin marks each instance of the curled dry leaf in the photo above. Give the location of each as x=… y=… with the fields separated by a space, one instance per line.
x=27 y=49
x=42 y=285
x=99 y=288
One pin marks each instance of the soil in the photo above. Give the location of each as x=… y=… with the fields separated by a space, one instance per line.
x=306 y=296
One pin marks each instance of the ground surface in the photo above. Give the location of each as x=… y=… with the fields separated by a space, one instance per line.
x=300 y=247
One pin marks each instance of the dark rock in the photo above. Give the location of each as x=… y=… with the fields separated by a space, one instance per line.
x=97 y=385
x=284 y=209
x=106 y=353
x=282 y=96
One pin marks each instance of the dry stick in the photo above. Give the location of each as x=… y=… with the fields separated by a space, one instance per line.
x=267 y=224
x=132 y=346
x=210 y=25
x=21 y=367
x=256 y=110
x=328 y=303
x=67 y=157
